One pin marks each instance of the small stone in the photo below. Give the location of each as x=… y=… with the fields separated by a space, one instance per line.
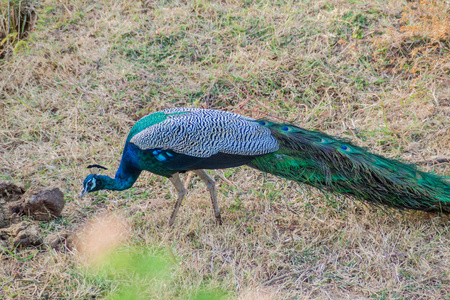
x=58 y=239
x=26 y=234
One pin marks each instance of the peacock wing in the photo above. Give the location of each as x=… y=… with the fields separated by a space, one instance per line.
x=203 y=133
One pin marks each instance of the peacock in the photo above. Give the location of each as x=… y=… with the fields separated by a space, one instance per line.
x=176 y=140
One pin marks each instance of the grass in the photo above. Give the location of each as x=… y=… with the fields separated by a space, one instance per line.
x=359 y=70
x=17 y=17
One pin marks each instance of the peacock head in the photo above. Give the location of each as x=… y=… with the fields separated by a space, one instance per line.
x=92 y=183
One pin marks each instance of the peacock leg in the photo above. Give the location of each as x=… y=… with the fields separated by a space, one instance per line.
x=211 y=186
x=176 y=181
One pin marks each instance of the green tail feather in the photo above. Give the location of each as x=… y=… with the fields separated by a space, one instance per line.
x=336 y=165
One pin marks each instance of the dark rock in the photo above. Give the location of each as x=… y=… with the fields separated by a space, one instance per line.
x=42 y=204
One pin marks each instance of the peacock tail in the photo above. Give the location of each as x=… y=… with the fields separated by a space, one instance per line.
x=336 y=165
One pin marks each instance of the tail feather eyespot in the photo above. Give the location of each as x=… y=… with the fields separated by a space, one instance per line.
x=346 y=148
x=287 y=128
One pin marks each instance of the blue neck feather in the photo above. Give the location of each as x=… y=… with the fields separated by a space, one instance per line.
x=125 y=177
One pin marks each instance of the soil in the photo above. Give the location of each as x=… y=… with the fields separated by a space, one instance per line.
x=10 y=193
x=38 y=203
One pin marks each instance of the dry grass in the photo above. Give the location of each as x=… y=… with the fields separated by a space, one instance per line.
x=419 y=41
x=91 y=69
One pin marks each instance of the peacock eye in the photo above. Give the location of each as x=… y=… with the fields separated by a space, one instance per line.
x=90 y=183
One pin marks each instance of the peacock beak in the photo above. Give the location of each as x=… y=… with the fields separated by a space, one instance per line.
x=83 y=192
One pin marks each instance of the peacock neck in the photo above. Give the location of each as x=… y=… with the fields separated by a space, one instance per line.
x=124 y=179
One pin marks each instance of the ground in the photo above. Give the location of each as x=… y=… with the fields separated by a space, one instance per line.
x=376 y=72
